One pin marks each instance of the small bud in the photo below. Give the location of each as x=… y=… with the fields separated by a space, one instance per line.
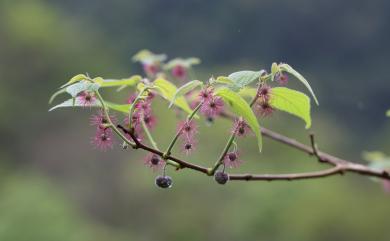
x=163 y=181
x=221 y=177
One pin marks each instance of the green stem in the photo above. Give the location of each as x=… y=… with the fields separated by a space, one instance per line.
x=148 y=134
x=111 y=124
x=223 y=154
x=227 y=147
x=178 y=133
x=132 y=107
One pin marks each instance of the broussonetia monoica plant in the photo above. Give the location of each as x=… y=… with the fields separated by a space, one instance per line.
x=244 y=97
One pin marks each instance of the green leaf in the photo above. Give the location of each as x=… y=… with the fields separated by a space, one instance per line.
x=131 y=81
x=75 y=79
x=290 y=70
x=57 y=93
x=248 y=92
x=182 y=62
x=117 y=107
x=224 y=80
x=241 y=108
x=293 y=102
x=388 y=113
x=147 y=56
x=185 y=89
x=167 y=90
x=73 y=103
x=243 y=78
x=76 y=88
x=124 y=108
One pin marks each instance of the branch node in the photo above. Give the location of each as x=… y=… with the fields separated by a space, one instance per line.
x=314 y=148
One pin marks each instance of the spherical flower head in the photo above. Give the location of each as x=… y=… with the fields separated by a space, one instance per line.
x=213 y=107
x=150 y=69
x=206 y=94
x=188 y=146
x=179 y=72
x=231 y=159
x=281 y=78
x=99 y=120
x=264 y=93
x=154 y=162
x=187 y=129
x=103 y=139
x=264 y=109
x=241 y=128
x=86 y=98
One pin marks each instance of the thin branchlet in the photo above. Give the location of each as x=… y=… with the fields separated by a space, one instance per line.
x=339 y=166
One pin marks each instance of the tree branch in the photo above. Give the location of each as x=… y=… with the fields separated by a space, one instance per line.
x=183 y=164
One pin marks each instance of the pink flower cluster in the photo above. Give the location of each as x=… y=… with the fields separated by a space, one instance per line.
x=262 y=105
x=212 y=105
x=142 y=112
x=103 y=138
x=187 y=130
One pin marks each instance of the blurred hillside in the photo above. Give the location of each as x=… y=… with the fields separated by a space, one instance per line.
x=55 y=186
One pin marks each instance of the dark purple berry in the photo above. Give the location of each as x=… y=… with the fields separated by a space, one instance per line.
x=163 y=181
x=221 y=177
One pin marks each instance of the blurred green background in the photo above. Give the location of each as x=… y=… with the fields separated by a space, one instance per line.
x=54 y=186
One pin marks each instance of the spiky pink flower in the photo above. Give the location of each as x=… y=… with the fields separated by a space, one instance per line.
x=154 y=161
x=150 y=121
x=264 y=109
x=103 y=139
x=232 y=160
x=282 y=78
x=206 y=94
x=100 y=120
x=179 y=72
x=188 y=146
x=264 y=93
x=241 y=128
x=212 y=107
x=187 y=128
x=86 y=98
x=131 y=99
x=150 y=69
x=144 y=107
